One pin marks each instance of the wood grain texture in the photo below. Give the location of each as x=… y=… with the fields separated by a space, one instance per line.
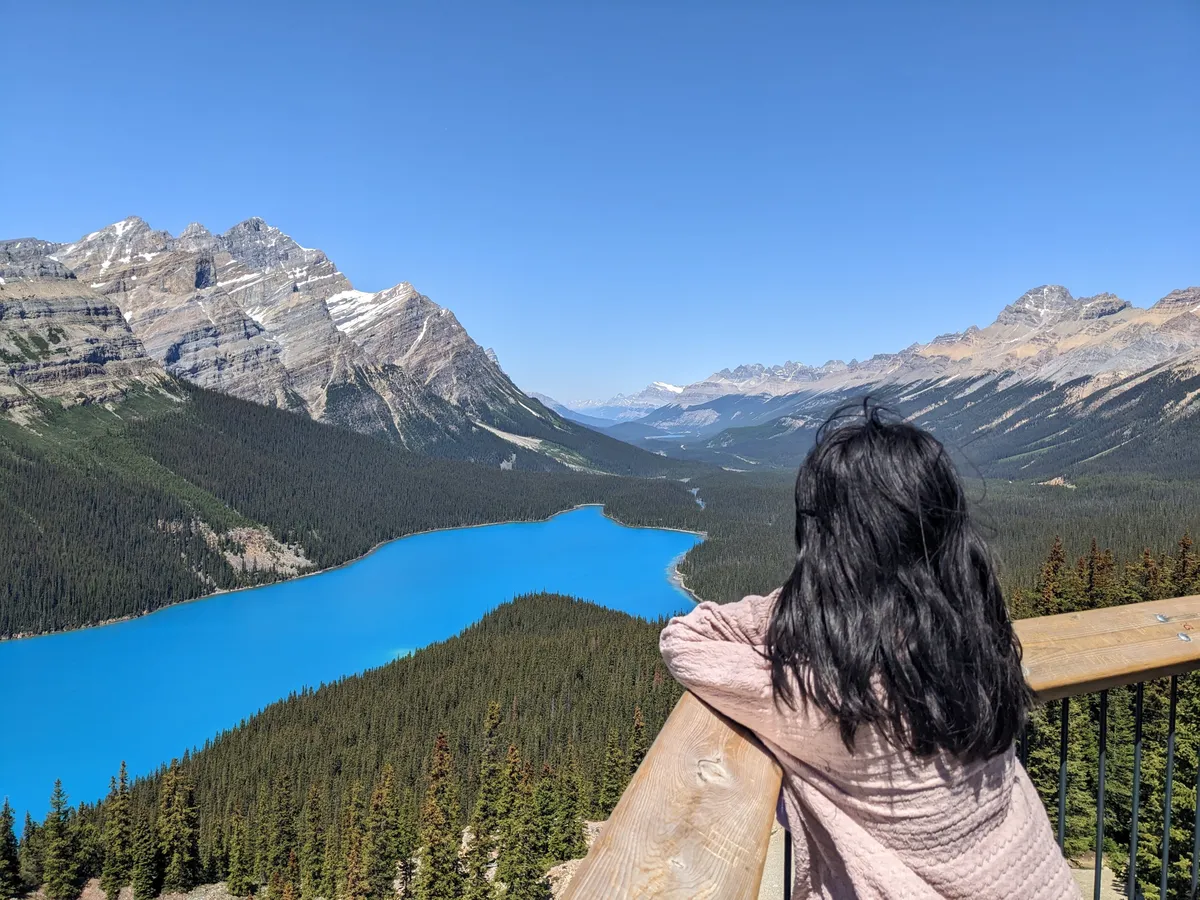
x=1079 y=653
x=695 y=820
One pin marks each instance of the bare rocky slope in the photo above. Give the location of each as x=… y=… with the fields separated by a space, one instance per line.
x=61 y=341
x=254 y=314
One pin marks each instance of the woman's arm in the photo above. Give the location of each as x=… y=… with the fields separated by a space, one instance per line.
x=718 y=652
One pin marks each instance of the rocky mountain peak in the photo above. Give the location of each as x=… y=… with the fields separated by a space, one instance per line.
x=744 y=372
x=260 y=246
x=1179 y=301
x=1039 y=306
x=1101 y=305
x=25 y=259
x=196 y=238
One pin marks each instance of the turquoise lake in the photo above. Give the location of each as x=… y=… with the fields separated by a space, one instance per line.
x=147 y=689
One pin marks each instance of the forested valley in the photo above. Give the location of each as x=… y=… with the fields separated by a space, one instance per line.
x=522 y=727
x=142 y=509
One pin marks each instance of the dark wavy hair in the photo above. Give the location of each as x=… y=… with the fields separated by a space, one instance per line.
x=892 y=616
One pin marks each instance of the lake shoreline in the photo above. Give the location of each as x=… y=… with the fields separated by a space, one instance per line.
x=673 y=573
x=187 y=676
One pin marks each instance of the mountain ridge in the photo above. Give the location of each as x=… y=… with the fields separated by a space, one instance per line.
x=1045 y=334
x=1089 y=366
x=253 y=313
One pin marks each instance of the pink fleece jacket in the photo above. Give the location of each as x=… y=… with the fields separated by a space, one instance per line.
x=879 y=824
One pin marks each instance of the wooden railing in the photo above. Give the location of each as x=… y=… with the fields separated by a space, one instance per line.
x=696 y=818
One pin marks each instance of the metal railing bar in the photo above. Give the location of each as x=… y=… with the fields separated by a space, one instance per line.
x=1131 y=881
x=1064 y=732
x=1166 y=840
x=1196 y=837
x=1100 y=794
x=787 y=865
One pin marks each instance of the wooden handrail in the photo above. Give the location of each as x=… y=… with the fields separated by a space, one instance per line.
x=1084 y=652
x=696 y=818
x=694 y=821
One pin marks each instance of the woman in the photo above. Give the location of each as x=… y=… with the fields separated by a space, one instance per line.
x=885 y=677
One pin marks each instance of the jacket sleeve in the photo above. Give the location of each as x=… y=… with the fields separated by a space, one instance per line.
x=718 y=652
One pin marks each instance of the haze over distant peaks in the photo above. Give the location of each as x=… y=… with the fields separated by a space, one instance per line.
x=623 y=407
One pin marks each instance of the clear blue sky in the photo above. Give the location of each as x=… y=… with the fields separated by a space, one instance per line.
x=612 y=193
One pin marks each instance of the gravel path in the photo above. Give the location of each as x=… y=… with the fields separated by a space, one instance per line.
x=772 y=880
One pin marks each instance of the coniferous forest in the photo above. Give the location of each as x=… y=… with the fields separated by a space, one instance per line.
x=475 y=762
x=519 y=729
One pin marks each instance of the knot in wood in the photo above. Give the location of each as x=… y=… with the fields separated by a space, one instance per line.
x=710 y=770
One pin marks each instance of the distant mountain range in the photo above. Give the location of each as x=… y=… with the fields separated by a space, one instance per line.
x=1077 y=361
x=252 y=313
x=624 y=407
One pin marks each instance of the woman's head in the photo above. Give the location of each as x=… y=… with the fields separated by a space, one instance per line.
x=893 y=612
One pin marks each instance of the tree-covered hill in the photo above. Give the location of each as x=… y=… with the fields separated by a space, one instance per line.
x=316 y=792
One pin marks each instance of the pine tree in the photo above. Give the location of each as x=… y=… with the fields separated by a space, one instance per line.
x=291 y=878
x=239 y=882
x=353 y=884
x=312 y=846
x=485 y=818
x=10 y=863
x=59 y=855
x=614 y=777
x=439 y=876
x=279 y=835
x=215 y=854
x=637 y=741
x=1050 y=600
x=118 y=837
x=567 y=839
x=382 y=843
x=521 y=863
x=89 y=843
x=145 y=872
x=1144 y=580
x=30 y=853
x=331 y=863
x=178 y=831
x=406 y=845
x=1082 y=766
x=1183 y=570
x=545 y=807
x=508 y=805
x=510 y=784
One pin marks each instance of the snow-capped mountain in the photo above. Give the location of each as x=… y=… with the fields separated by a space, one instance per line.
x=252 y=313
x=624 y=407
